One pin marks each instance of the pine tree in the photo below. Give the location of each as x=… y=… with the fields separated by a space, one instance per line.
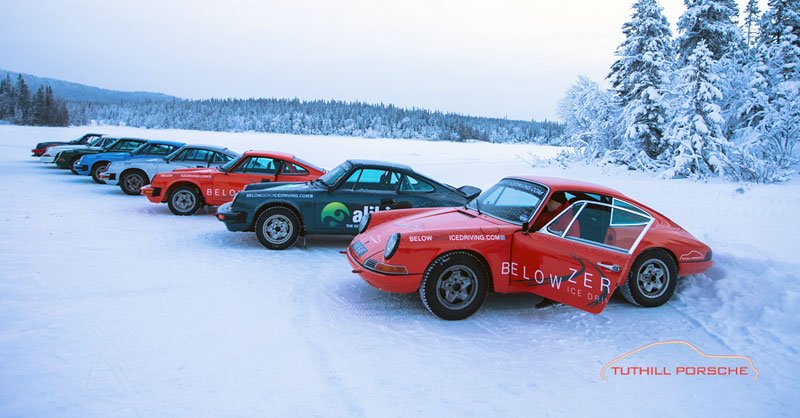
x=710 y=21
x=22 y=103
x=752 y=14
x=38 y=113
x=639 y=78
x=696 y=136
x=6 y=98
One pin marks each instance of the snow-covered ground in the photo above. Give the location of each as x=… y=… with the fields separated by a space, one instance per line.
x=111 y=306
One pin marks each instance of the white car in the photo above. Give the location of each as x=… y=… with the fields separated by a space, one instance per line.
x=131 y=175
x=98 y=143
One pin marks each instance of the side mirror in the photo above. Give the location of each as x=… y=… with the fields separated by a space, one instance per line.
x=526 y=228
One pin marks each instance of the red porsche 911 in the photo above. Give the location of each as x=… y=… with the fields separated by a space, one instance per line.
x=568 y=241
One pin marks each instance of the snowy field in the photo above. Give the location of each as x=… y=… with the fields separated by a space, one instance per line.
x=111 y=306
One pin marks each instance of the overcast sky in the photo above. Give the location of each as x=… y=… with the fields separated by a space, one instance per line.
x=503 y=58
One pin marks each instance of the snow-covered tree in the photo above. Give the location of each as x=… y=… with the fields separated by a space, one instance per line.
x=752 y=15
x=696 y=136
x=712 y=22
x=591 y=116
x=639 y=78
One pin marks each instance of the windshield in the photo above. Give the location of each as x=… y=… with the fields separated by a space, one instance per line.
x=331 y=177
x=227 y=166
x=172 y=155
x=510 y=200
x=110 y=145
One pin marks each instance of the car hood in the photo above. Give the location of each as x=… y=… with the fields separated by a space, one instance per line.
x=448 y=220
x=202 y=170
x=283 y=187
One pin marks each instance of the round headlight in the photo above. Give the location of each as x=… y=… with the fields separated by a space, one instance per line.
x=362 y=226
x=391 y=246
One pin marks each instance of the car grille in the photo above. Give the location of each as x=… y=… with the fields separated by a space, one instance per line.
x=359 y=248
x=371 y=264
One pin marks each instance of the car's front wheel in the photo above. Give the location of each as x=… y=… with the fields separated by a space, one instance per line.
x=454 y=285
x=132 y=181
x=652 y=279
x=277 y=228
x=97 y=169
x=185 y=200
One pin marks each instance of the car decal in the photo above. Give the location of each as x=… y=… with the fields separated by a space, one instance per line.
x=540 y=279
x=334 y=213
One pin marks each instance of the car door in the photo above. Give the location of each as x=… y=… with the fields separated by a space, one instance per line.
x=250 y=170
x=576 y=258
x=363 y=191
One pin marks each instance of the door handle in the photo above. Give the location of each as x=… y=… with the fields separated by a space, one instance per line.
x=266 y=180
x=611 y=267
x=388 y=202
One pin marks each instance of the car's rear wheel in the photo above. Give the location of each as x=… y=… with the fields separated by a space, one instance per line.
x=97 y=169
x=185 y=200
x=277 y=228
x=454 y=285
x=652 y=279
x=132 y=181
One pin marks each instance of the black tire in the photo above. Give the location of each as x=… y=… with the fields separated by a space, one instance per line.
x=185 y=200
x=454 y=285
x=98 y=168
x=132 y=181
x=277 y=228
x=652 y=279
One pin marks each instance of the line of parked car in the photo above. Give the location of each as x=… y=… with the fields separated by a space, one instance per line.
x=568 y=241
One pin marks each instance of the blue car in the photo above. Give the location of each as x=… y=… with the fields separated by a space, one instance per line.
x=94 y=164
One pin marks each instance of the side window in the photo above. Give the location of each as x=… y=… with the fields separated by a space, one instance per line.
x=625 y=214
x=129 y=145
x=378 y=180
x=291 y=169
x=159 y=149
x=260 y=165
x=413 y=184
x=199 y=155
x=591 y=223
x=220 y=158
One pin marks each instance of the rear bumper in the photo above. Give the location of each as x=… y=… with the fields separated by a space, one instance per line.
x=694 y=267
x=109 y=178
x=234 y=221
x=392 y=283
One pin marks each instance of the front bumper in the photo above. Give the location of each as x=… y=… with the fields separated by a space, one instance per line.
x=47 y=159
x=234 y=221
x=392 y=283
x=153 y=194
x=81 y=169
x=37 y=152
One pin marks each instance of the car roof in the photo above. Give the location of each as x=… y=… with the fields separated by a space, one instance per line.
x=161 y=141
x=565 y=184
x=382 y=164
x=211 y=147
x=135 y=139
x=277 y=154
